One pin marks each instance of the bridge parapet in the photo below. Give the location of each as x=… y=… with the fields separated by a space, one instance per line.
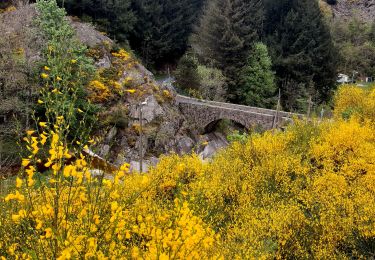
x=203 y=112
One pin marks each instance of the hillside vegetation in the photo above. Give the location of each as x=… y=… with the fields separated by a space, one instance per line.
x=161 y=32
x=302 y=193
x=115 y=82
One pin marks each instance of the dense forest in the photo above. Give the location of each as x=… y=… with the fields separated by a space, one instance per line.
x=222 y=38
x=216 y=42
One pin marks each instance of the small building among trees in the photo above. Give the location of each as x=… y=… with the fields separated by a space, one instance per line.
x=343 y=79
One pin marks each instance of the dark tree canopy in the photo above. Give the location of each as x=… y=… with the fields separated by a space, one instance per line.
x=113 y=16
x=302 y=48
x=257 y=80
x=157 y=30
x=186 y=75
x=162 y=28
x=225 y=34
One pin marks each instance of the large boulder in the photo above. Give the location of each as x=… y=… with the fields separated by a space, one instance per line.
x=213 y=143
x=150 y=111
x=184 y=145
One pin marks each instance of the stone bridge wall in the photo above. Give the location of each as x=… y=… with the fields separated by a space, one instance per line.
x=201 y=113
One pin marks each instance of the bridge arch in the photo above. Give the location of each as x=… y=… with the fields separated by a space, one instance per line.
x=201 y=113
x=215 y=125
x=214 y=118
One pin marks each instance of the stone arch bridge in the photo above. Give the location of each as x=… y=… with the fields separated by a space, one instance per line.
x=201 y=113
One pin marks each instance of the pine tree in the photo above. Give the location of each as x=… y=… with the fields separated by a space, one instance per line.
x=303 y=52
x=258 y=80
x=112 y=16
x=186 y=75
x=162 y=29
x=224 y=37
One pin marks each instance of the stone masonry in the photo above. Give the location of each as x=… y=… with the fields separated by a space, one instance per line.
x=201 y=113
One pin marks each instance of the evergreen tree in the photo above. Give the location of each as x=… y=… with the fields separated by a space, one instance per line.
x=187 y=76
x=258 y=80
x=162 y=29
x=224 y=37
x=372 y=33
x=112 y=16
x=303 y=52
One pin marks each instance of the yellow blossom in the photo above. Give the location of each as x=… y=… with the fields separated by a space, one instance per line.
x=25 y=162
x=18 y=182
x=114 y=206
x=30 y=132
x=131 y=91
x=48 y=232
x=135 y=252
x=43 y=138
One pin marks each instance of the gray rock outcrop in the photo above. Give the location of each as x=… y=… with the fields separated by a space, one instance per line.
x=150 y=111
x=215 y=141
x=364 y=9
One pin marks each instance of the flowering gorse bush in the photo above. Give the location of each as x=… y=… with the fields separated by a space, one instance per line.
x=64 y=74
x=72 y=214
x=109 y=84
x=64 y=212
x=354 y=101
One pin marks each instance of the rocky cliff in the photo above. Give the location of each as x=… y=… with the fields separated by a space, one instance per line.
x=164 y=127
x=365 y=9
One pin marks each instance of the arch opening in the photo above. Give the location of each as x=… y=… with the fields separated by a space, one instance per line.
x=224 y=126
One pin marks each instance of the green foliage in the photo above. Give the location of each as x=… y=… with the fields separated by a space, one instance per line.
x=162 y=29
x=118 y=116
x=258 y=81
x=200 y=81
x=212 y=84
x=224 y=37
x=295 y=32
x=356 y=41
x=236 y=136
x=66 y=71
x=372 y=32
x=187 y=76
x=114 y=17
x=157 y=30
x=302 y=50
